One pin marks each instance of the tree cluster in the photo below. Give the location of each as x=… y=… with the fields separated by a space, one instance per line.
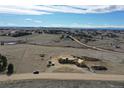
x=5 y=66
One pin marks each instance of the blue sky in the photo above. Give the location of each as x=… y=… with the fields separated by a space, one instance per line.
x=62 y=16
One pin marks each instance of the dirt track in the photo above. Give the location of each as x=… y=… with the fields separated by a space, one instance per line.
x=85 y=45
x=91 y=47
x=62 y=76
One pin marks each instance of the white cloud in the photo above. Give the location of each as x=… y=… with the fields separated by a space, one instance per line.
x=28 y=19
x=33 y=20
x=61 y=2
x=37 y=21
x=49 y=9
x=20 y=10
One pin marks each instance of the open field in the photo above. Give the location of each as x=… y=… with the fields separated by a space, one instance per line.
x=6 y=38
x=55 y=40
x=40 y=49
x=26 y=57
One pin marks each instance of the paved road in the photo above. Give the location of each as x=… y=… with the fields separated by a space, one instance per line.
x=62 y=76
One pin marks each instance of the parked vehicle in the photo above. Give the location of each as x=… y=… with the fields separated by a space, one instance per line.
x=36 y=72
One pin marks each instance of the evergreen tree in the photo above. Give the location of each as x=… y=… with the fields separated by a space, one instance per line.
x=10 y=69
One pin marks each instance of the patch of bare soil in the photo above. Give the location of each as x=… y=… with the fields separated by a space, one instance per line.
x=67 y=70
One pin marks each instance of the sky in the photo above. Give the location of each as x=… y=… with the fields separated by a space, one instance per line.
x=62 y=16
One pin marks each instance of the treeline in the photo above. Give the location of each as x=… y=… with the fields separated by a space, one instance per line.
x=18 y=34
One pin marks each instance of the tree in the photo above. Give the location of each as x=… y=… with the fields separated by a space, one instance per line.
x=62 y=37
x=10 y=69
x=3 y=63
x=0 y=68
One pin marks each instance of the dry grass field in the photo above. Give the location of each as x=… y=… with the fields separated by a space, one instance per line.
x=62 y=84
x=26 y=58
x=7 y=38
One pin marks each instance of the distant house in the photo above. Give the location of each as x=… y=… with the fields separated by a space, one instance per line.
x=11 y=43
x=66 y=60
x=8 y=42
x=12 y=33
